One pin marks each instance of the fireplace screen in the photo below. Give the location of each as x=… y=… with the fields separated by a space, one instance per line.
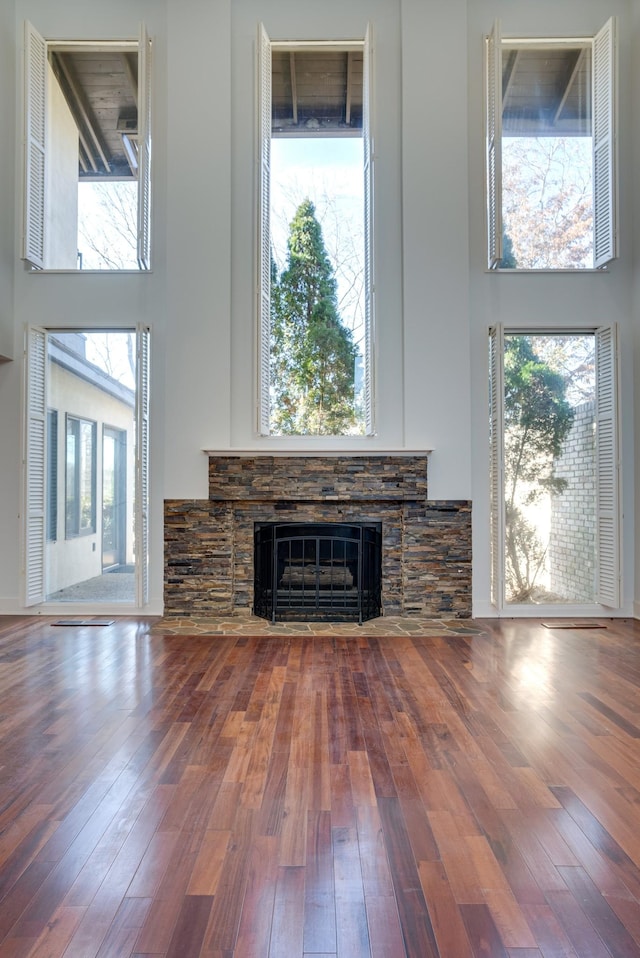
x=321 y=571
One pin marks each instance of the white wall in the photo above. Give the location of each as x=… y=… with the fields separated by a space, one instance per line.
x=434 y=299
x=7 y=112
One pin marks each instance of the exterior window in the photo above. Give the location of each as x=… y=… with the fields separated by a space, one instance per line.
x=80 y=477
x=87 y=154
x=555 y=507
x=315 y=316
x=551 y=151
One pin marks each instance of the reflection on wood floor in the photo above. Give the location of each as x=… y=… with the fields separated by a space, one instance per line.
x=287 y=796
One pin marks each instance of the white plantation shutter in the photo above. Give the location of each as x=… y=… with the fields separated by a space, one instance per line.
x=264 y=231
x=369 y=283
x=607 y=470
x=35 y=466
x=35 y=74
x=142 y=465
x=493 y=134
x=604 y=144
x=496 y=439
x=144 y=150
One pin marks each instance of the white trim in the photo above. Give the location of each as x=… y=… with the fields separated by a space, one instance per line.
x=142 y=497
x=607 y=451
x=604 y=140
x=35 y=143
x=35 y=467
x=493 y=144
x=293 y=452
x=263 y=247
x=496 y=465
x=144 y=150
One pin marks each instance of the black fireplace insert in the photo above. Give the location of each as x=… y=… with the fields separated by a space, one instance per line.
x=318 y=571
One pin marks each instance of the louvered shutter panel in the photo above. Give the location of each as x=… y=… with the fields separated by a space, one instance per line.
x=604 y=144
x=264 y=228
x=496 y=438
x=607 y=470
x=142 y=465
x=493 y=159
x=52 y=475
x=35 y=85
x=144 y=150
x=35 y=471
x=369 y=285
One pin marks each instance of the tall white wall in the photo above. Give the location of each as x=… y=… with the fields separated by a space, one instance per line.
x=434 y=298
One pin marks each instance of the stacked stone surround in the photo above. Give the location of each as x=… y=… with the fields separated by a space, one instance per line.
x=426 y=544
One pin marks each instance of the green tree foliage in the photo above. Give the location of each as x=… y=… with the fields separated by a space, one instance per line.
x=538 y=419
x=312 y=353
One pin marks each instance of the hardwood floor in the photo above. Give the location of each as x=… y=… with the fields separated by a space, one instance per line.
x=261 y=797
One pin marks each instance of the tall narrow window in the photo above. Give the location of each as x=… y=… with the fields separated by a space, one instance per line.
x=87 y=154
x=315 y=279
x=551 y=151
x=80 y=482
x=554 y=469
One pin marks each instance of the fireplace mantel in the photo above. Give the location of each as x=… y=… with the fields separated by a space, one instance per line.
x=308 y=452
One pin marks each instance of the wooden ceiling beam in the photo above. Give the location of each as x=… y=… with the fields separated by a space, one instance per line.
x=509 y=73
x=81 y=109
x=131 y=74
x=349 y=90
x=567 y=89
x=294 y=87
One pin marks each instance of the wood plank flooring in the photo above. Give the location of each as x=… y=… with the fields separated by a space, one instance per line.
x=174 y=796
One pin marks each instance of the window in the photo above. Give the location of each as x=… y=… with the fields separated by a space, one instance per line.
x=87 y=154
x=315 y=299
x=554 y=468
x=551 y=151
x=80 y=485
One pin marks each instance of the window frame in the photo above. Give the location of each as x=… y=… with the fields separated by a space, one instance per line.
x=35 y=199
x=35 y=450
x=263 y=238
x=608 y=561
x=604 y=82
x=74 y=479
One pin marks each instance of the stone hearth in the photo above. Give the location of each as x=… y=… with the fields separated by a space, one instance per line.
x=426 y=544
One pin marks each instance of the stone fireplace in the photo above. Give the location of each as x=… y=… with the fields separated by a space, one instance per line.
x=426 y=544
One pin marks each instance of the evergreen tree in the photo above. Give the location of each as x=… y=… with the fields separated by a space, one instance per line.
x=312 y=353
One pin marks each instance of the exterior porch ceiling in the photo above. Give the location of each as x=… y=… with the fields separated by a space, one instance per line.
x=101 y=91
x=546 y=91
x=316 y=91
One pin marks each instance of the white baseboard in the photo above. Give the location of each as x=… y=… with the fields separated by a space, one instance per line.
x=10 y=606
x=484 y=610
x=636 y=610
